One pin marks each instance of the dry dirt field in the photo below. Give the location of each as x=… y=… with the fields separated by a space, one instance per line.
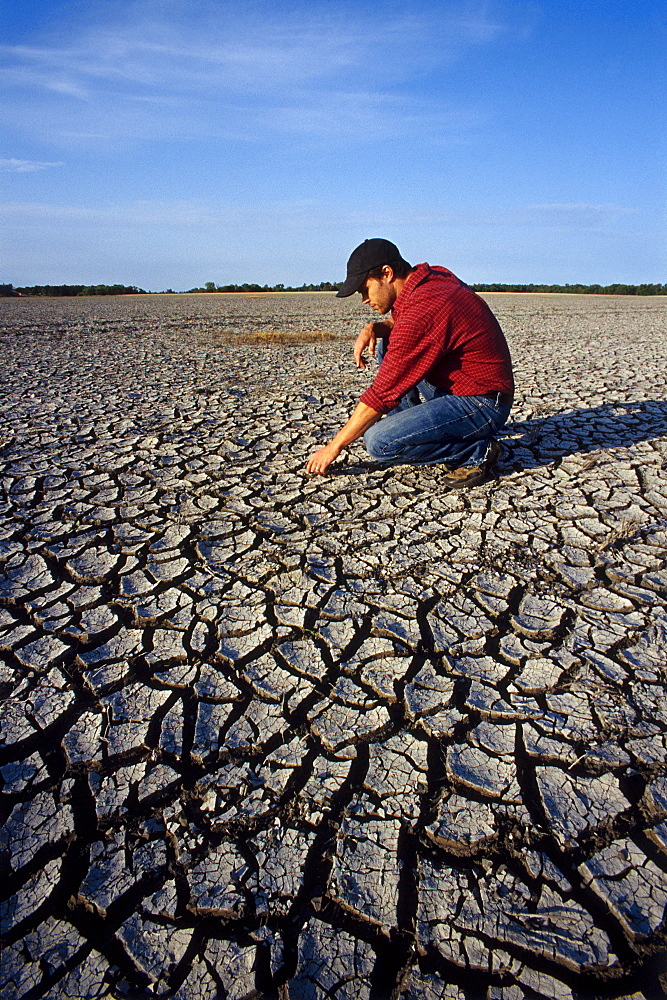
x=352 y=738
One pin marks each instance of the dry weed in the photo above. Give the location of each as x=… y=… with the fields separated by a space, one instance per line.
x=531 y=435
x=624 y=529
x=270 y=337
x=546 y=409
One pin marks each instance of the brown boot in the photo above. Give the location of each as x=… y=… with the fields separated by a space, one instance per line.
x=467 y=475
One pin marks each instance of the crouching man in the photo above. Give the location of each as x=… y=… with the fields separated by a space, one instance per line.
x=444 y=386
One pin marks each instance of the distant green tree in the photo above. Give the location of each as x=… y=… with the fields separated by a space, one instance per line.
x=112 y=290
x=58 y=290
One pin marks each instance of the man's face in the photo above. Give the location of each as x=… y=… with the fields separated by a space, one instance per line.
x=378 y=293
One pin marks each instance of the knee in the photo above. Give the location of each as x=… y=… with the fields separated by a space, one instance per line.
x=373 y=441
x=381 y=443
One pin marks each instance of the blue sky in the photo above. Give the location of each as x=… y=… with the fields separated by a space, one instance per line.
x=165 y=143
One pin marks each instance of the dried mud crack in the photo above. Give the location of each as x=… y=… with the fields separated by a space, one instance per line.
x=272 y=737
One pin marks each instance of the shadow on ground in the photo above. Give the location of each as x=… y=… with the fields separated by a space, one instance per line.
x=552 y=436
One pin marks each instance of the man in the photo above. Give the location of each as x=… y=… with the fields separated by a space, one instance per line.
x=444 y=386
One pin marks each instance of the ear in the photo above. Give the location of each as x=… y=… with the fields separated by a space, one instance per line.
x=388 y=272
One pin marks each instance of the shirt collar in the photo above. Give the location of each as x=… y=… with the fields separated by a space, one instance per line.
x=415 y=279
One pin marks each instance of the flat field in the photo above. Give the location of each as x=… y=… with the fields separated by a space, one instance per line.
x=351 y=738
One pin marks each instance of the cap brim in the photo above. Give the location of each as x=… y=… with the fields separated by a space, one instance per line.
x=351 y=285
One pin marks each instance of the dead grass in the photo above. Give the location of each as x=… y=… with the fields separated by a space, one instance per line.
x=271 y=337
x=625 y=529
x=545 y=410
x=589 y=462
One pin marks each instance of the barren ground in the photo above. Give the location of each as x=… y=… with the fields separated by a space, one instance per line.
x=352 y=738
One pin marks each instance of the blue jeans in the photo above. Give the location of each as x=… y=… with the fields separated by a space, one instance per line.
x=430 y=426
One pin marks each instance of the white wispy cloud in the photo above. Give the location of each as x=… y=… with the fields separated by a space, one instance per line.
x=218 y=215
x=256 y=47
x=176 y=214
x=13 y=166
x=230 y=71
x=575 y=215
x=579 y=215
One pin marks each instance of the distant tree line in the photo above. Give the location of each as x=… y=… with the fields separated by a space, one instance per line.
x=577 y=289
x=333 y=286
x=70 y=290
x=324 y=286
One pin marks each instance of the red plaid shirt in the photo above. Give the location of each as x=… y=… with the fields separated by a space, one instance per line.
x=444 y=333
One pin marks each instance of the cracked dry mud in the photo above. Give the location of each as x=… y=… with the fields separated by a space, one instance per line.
x=327 y=739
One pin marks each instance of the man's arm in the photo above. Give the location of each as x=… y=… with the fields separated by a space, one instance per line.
x=368 y=337
x=362 y=418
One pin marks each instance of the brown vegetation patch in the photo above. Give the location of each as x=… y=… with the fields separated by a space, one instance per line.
x=270 y=337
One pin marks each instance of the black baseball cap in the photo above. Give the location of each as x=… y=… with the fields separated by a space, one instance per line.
x=369 y=254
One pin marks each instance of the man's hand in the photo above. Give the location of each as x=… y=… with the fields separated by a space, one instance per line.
x=322 y=459
x=361 y=419
x=367 y=339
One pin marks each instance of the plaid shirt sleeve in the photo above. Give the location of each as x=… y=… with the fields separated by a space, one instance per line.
x=410 y=355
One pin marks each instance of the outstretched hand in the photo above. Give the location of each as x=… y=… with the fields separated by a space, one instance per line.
x=361 y=419
x=322 y=459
